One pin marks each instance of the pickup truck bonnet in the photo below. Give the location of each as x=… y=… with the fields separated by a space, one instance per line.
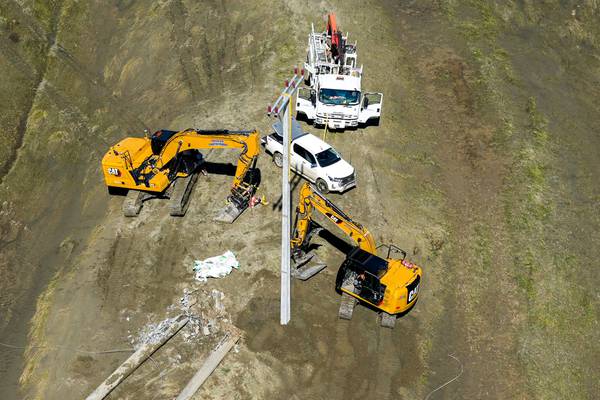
x=340 y=169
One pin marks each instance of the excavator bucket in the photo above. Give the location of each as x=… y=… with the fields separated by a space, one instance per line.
x=308 y=271
x=304 y=268
x=237 y=202
x=229 y=213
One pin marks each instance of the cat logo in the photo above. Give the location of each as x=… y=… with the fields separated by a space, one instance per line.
x=413 y=293
x=413 y=290
x=114 y=171
x=334 y=218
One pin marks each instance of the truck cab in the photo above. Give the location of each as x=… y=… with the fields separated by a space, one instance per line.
x=337 y=101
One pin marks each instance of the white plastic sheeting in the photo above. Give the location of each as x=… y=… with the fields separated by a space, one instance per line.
x=215 y=267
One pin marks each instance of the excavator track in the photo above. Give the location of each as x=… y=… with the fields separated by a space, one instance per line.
x=386 y=320
x=132 y=205
x=180 y=196
x=347 y=304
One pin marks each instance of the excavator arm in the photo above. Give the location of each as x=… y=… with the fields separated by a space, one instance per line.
x=311 y=199
x=248 y=141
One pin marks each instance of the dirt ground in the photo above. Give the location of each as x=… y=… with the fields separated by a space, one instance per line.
x=483 y=168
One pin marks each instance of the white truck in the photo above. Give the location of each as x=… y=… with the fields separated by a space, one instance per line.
x=334 y=96
x=312 y=158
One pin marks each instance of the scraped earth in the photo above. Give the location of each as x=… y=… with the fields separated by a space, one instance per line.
x=480 y=169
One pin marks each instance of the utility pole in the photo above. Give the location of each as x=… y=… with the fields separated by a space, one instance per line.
x=284 y=108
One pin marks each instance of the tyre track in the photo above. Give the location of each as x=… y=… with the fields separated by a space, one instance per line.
x=178 y=14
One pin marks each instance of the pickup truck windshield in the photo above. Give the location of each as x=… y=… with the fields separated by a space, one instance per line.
x=339 y=97
x=328 y=157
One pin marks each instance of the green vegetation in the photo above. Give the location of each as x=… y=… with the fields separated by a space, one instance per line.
x=560 y=311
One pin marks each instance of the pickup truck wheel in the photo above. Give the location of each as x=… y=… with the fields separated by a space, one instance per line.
x=278 y=159
x=322 y=186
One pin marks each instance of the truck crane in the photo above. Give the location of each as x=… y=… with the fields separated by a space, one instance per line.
x=388 y=285
x=167 y=164
x=334 y=96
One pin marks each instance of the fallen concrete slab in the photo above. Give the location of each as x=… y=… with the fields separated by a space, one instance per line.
x=136 y=359
x=209 y=366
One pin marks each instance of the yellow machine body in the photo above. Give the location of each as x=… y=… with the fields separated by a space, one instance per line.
x=398 y=297
x=400 y=277
x=132 y=163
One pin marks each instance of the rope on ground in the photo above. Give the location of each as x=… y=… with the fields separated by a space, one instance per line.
x=451 y=380
x=10 y=346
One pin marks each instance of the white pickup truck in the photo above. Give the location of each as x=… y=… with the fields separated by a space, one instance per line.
x=311 y=158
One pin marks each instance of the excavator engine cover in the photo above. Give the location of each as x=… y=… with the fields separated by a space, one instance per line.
x=359 y=260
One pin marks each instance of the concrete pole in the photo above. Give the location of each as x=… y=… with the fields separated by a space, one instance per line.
x=208 y=367
x=285 y=109
x=285 y=309
x=136 y=359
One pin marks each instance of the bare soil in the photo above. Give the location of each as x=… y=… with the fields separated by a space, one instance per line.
x=483 y=169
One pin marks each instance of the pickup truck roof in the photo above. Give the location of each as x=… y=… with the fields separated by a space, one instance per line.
x=309 y=141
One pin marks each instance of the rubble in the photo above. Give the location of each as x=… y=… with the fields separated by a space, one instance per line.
x=152 y=333
x=205 y=310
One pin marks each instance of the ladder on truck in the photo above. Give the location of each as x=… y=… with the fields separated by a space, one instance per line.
x=320 y=58
x=319 y=55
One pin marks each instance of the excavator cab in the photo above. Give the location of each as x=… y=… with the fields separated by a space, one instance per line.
x=159 y=139
x=360 y=273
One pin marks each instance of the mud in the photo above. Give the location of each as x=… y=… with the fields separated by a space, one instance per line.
x=480 y=169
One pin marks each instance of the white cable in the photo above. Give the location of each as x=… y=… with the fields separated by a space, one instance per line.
x=451 y=380
x=10 y=346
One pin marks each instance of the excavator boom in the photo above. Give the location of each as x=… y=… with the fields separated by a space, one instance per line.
x=248 y=141
x=310 y=199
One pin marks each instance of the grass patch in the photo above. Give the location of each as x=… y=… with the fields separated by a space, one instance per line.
x=559 y=311
x=480 y=25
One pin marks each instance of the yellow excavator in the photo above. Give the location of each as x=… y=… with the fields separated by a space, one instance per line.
x=167 y=164
x=388 y=285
